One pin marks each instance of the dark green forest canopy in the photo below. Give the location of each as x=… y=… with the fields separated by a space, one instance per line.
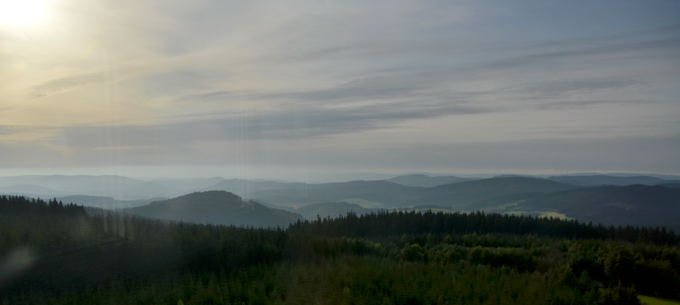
x=70 y=257
x=397 y=223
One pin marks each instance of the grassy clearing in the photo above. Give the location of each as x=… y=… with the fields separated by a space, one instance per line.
x=647 y=300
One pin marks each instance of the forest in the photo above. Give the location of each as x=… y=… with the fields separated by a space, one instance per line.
x=58 y=253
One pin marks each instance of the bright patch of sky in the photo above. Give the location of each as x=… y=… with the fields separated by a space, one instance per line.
x=335 y=86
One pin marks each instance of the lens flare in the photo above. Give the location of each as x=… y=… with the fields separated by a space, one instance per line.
x=24 y=13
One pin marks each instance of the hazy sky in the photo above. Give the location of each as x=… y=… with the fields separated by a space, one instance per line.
x=367 y=86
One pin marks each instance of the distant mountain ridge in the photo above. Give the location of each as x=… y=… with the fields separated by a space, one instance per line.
x=422 y=180
x=612 y=199
x=332 y=209
x=104 y=202
x=118 y=187
x=378 y=193
x=30 y=190
x=245 y=188
x=473 y=195
x=216 y=207
x=597 y=180
x=614 y=205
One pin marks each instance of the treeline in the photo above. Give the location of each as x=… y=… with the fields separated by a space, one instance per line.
x=41 y=225
x=60 y=255
x=61 y=249
x=413 y=222
x=22 y=205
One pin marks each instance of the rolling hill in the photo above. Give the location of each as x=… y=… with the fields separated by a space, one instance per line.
x=483 y=193
x=245 y=188
x=613 y=204
x=467 y=195
x=422 y=180
x=119 y=187
x=331 y=209
x=599 y=180
x=373 y=193
x=30 y=190
x=103 y=202
x=216 y=207
x=616 y=205
x=77 y=184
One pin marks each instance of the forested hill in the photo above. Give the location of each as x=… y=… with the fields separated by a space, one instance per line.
x=399 y=223
x=601 y=180
x=53 y=253
x=613 y=205
x=19 y=205
x=426 y=180
x=331 y=209
x=216 y=207
x=380 y=193
x=385 y=194
x=650 y=201
x=471 y=195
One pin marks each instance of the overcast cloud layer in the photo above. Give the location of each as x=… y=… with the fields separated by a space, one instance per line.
x=439 y=86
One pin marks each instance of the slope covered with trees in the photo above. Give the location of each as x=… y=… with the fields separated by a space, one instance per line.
x=331 y=209
x=52 y=253
x=617 y=205
x=472 y=195
x=378 y=192
x=216 y=207
x=601 y=180
x=423 y=180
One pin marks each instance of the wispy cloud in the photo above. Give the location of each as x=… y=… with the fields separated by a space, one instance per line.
x=282 y=125
x=172 y=76
x=65 y=83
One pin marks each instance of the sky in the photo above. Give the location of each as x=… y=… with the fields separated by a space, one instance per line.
x=296 y=88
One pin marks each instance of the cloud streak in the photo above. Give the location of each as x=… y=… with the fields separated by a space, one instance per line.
x=291 y=123
x=184 y=79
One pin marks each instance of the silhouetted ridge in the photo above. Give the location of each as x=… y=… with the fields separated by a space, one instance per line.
x=216 y=207
x=385 y=224
x=19 y=205
x=422 y=180
x=599 y=180
x=477 y=195
x=618 y=205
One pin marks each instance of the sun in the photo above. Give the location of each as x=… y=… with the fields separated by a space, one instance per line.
x=23 y=14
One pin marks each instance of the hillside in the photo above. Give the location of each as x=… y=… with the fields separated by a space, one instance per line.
x=30 y=190
x=331 y=209
x=467 y=195
x=635 y=205
x=244 y=188
x=375 y=193
x=600 y=180
x=78 y=184
x=119 y=187
x=103 y=202
x=216 y=207
x=480 y=194
x=57 y=254
x=422 y=180
x=622 y=205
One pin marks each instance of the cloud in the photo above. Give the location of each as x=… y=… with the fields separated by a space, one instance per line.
x=182 y=80
x=11 y=134
x=637 y=154
x=586 y=103
x=281 y=125
x=567 y=86
x=61 y=84
x=619 y=50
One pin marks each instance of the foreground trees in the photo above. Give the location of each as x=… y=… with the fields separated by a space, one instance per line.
x=71 y=257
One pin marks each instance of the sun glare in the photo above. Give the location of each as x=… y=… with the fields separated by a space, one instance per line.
x=24 y=13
